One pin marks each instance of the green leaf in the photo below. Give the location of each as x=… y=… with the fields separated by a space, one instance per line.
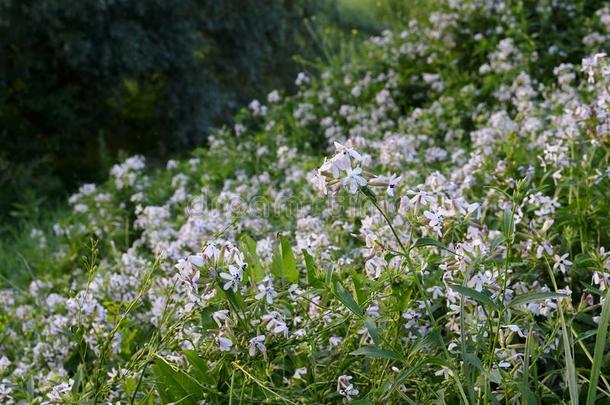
x=500 y=240
x=289 y=265
x=475 y=295
x=403 y=375
x=495 y=376
x=361 y=295
x=235 y=298
x=377 y=353
x=598 y=355
x=207 y=322
x=534 y=296
x=473 y=360
x=568 y=353
x=312 y=271
x=528 y=397
x=421 y=242
x=79 y=377
x=183 y=387
x=507 y=223
x=330 y=276
x=348 y=300
x=369 y=193
x=426 y=341
x=277 y=263
x=255 y=267
x=372 y=329
x=169 y=382
x=200 y=367
x=585 y=335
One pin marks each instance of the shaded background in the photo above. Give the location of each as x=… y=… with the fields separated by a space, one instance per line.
x=85 y=83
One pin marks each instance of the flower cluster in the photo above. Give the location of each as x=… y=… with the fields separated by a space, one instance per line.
x=459 y=251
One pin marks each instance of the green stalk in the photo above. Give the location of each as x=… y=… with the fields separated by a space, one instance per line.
x=598 y=355
x=422 y=292
x=570 y=366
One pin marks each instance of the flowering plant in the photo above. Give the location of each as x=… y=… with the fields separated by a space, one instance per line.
x=451 y=246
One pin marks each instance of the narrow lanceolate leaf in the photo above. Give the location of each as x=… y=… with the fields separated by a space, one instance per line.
x=479 y=297
x=199 y=367
x=533 y=297
x=312 y=271
x=289 y=265
x=255 y=267
x=348 y=300
x=527 y=396
x=173 y=385
x=430 y=242
x=369 y=193
x=598 y=355
x=277 y=266
x=361 y=294
x=377 y=353
x=568 y=349
x=372 y=329
x=568 y=353
x=404 y=375
x=473 y=360
x=507 y=223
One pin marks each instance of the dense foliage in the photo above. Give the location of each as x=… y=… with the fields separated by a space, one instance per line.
x=80 y=81
x=452 y=246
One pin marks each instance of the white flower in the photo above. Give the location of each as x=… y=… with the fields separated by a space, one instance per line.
x=266 y=290
x=299 y=373
x=601 y=279
x=188 y=274
x=516 y=329
x=4 y=363
x=392 y=184
x=561 y=263
x=302 y=79
x=318 y=180
x=335 y=166
x=275 y=323
x=445 y=372
x=543 y=247
x=346 y=151
x=220 y=316
x=256 y=343
x=224 y=343
x=335 y=341
x=233 y=277
x=196 y=260
x=436 y=292
x=353 y=180
x=273 y=97
x=420 y=197
x=211 y=252
x=345 y=388
x=435 y=221
x=341 y=161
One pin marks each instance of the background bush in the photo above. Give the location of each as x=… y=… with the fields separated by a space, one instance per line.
x=81 y=81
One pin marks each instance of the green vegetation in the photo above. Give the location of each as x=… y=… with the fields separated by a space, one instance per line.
x=422 y=220
x=84 y=83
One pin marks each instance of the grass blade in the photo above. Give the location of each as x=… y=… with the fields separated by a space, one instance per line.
x=598 y=355
x=348 y=300
x=475 y=295
x=534 y=296
x=377 y=353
